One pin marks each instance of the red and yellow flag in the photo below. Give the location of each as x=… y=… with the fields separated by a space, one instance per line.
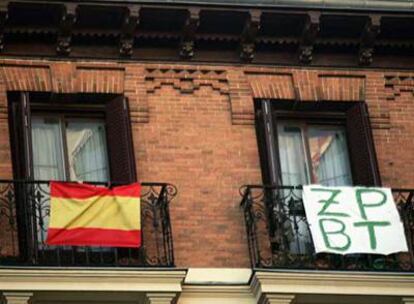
x=86 y=215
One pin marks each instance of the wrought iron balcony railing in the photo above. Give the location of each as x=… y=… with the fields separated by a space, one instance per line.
x=279 y=237
x=24 y=216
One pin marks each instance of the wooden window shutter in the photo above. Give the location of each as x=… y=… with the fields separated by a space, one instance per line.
x=267 y=142
x=270 y=165
x=361 y=146
x=119 y=138
x=21 y=145
x=20 y=135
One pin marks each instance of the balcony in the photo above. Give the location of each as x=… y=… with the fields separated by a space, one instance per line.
x=24 y=216
x=279 y=236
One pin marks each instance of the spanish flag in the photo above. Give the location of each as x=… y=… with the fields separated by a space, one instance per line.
x=87 y=215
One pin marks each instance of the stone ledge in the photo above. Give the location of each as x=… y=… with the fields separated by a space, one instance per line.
x=91 y=280
x=332 y=283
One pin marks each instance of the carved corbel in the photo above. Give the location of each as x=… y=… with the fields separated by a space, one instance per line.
x=189 y=31
x=129 y=27
x=17 y=297
x=3 y=20
x=64 y=40
x=368 y=36
x=309 y=35
x=248 y=36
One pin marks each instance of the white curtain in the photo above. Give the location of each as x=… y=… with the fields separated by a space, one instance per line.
x=87 y=151
x=47 y=165
x=292 y=156
x=47 y=149
x=294 y=172
x=329 y=156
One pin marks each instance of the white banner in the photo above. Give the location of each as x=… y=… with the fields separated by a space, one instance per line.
x=347 y=220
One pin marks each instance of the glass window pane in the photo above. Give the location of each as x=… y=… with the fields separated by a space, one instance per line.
x=294 y=172
x=48 y=164
x=292 y=155
x=329 y=156
x=47 y=149
x=87 y=153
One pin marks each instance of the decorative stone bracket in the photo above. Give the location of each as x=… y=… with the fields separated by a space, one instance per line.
x=131 y=21
x=67 y=23
x=160 y=298
x=277 y=298
x=188 y=34
x=310 y=32
x=17 y=297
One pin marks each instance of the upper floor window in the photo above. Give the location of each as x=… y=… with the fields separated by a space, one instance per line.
x=69 y=148
x=328 y=143
x=71 y=137
x=313 y=154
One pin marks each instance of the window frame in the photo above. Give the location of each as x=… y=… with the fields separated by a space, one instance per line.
x=109 y=107
x=269 y=112
x=115 y=109
x=304 y=125
x=63 y=116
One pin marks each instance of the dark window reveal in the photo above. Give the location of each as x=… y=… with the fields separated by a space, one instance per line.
x=68 y=148
x=66 y=137
x=313 y=154
x=329 y=143
x=84 y=138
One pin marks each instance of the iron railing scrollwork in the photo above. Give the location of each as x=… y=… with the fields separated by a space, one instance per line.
x=279 y=237
x=24 y=217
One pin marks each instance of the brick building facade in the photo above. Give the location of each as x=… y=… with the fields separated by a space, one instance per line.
x=194 y=125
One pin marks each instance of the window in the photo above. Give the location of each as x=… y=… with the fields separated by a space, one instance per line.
x=66 y=148
x=71 y=137
x=313 y=154
x=329 y=143
x=65 y=137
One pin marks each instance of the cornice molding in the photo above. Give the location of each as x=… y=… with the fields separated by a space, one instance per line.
x=168 y=280
x=332 y=283
x=346 y=5
x=263 y=34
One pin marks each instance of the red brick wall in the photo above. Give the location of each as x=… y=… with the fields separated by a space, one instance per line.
x=193 y=126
